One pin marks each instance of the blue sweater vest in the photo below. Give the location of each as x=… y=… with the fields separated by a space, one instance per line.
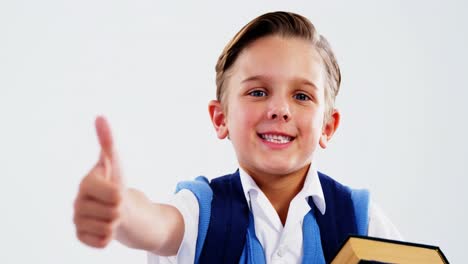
x=226 y=231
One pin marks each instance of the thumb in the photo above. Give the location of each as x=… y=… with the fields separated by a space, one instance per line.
x=108 y=158
x=104 y=135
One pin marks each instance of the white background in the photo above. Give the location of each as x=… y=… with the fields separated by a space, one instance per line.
x=149 y=67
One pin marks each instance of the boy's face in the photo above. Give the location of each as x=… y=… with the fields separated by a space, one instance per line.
x=275 y=106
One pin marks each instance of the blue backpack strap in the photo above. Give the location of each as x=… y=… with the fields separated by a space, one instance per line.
x=253 y=252
x=339 y=219
x=361 y=209
x=202 y=191
x=312 y=245
x=227 y=230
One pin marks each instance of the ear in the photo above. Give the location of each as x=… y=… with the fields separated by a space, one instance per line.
x=218 y=118
x=329 y=128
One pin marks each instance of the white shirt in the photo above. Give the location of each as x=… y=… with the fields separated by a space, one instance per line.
x=282 y=244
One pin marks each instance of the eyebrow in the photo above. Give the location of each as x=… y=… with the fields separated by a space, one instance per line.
x=267 y=78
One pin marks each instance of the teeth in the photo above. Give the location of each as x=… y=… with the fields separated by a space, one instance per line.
x=276 y=138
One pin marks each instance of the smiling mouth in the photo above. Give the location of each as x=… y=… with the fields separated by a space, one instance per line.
x=278 y=139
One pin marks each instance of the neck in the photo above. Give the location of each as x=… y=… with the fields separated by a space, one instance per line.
x=280 y=189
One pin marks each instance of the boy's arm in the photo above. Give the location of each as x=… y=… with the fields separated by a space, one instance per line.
x=380 y=225
x=154 y=227
x=105 y=209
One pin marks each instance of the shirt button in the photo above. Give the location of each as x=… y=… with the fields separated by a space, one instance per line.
x=280 y=252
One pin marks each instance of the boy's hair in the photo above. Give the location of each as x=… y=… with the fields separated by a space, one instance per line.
x=284 y=24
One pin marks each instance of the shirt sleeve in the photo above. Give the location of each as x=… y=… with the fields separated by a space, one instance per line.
x=187 y=204
x=380 y=225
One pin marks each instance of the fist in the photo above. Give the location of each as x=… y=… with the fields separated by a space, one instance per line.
x=98 y=205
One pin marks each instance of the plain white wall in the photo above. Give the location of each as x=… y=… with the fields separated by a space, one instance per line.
x=149 y=67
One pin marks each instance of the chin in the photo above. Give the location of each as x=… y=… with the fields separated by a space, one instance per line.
x=279 y=169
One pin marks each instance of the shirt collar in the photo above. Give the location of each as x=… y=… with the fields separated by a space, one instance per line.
x=312 y=187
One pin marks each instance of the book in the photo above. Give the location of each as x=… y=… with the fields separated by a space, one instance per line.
x=362 y=249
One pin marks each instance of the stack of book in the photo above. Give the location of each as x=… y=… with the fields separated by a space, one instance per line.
x=359 y=249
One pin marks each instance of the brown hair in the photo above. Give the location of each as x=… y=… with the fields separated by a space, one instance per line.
x=284 y=24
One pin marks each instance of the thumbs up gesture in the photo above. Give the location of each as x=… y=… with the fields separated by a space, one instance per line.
x=105 y=209
x=99 y=203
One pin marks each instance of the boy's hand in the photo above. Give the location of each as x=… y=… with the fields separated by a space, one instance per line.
x=99 y=203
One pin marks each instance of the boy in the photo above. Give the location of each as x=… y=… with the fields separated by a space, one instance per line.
x=276 y=85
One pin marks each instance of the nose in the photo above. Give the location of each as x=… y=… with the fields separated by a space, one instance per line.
x=279 y=110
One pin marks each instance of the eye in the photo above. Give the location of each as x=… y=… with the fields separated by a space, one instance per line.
x=301 y=97
x=257 y=93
